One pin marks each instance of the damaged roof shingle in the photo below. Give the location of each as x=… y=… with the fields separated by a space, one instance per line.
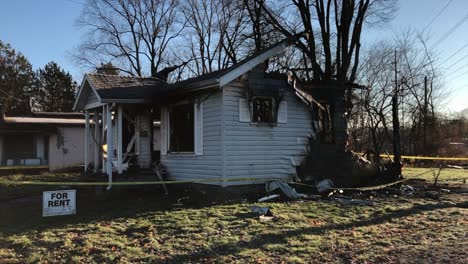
x=125 y=87
x=115 y=87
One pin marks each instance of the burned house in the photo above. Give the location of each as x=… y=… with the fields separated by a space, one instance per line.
x=230 y=127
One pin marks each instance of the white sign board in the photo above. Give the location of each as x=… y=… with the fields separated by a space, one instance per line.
x=62 y=202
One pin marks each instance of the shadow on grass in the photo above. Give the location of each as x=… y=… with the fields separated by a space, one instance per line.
x=25 y=214
x=91 y=208
x=263 y=240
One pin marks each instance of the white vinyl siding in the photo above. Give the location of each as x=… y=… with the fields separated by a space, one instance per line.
x=244 y=110
x=283 y=112
x=262 y=151
x=198 y=114
x=206 y=162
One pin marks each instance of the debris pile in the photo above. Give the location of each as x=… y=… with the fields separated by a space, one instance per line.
x=287 y=190
x=264 y=213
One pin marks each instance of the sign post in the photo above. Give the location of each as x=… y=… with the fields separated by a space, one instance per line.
x=61 y=202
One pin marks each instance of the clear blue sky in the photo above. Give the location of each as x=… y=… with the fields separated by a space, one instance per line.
x=45 y=30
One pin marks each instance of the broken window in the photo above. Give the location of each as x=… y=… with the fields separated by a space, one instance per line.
x=182 y=128
x=263 y=110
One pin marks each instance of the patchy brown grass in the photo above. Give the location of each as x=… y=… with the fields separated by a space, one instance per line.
x=8 y=192
x=447 y=175
x=143 y=226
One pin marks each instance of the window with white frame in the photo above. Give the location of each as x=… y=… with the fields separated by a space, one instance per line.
x=182 y=128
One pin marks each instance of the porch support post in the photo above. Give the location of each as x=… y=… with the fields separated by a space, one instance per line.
x=97 y=143
x=110 y=145
x=119 y=139
x=86 y=141
x=103 y=135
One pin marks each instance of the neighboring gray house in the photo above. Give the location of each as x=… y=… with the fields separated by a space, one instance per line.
x=236 y=123
x=45 y=139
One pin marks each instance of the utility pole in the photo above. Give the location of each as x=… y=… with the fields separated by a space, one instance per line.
x=425 y=109
x=396 y=123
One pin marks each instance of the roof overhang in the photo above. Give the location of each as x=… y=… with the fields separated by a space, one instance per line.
x=252 y=63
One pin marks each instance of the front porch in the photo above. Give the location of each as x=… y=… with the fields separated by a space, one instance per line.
x=121 y=123
x=124 y=136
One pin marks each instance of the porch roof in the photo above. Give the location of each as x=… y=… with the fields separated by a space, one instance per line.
x=124 y=87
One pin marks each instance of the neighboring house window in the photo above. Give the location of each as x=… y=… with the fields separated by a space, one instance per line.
x=182 y=130
x=263 y=110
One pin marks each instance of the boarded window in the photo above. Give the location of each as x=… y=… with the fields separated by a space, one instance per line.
x=182 y=128
x=263 y=110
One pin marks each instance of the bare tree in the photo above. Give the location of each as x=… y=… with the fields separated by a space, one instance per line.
x=213 y=33
x=333 y=31
x=419 y=91
x=132 y=35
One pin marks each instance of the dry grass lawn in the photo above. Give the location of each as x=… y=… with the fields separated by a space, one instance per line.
x=144 y=226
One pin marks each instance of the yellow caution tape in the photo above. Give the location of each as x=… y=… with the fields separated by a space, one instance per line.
x=421 y=158
x=11 y=182
x=26 y=167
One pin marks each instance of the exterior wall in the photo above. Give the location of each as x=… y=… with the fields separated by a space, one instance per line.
x=209 y=164
x=92 y=98
x=263 y=151
x=67 y=147
x=23 y=149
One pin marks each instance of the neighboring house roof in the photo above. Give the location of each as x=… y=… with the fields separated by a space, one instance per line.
x=126 y=89
x=67 y=115
x=42 y=120
x=43 y=125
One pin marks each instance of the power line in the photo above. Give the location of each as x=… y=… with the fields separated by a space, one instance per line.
x=436 y=16
x=459 y=88
x=448 y=33
x=458 y=76
x=457 y=70
x=456 y=62
x=455 y=53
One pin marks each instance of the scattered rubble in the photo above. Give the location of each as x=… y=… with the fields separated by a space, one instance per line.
x=180 y=201
x=455 y=167
x=261 y=210
x=289 y=191
x=265 y=218
x=264 y=213
x=406 y=190
x=324 y=186
x=444 y=190
x=269 y=198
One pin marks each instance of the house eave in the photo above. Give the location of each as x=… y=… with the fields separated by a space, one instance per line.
x=78 y=97
x=125 y=101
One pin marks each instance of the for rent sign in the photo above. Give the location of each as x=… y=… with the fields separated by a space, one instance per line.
x=61 y=202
